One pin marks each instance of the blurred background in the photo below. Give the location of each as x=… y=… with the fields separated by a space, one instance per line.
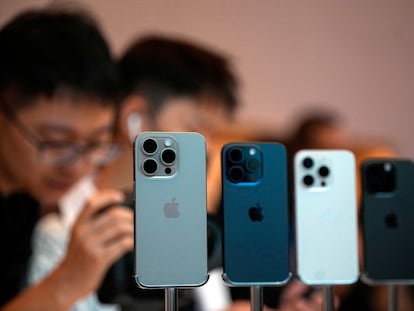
x=354 y=57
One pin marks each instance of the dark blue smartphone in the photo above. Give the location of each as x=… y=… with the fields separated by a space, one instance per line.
x=255 y=214
x=388 y=220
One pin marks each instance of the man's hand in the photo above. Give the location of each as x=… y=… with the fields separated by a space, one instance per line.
x=99 y=237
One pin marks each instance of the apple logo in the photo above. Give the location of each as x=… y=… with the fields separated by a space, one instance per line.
x=171 y=209
x=391 y=221
x=256 y=213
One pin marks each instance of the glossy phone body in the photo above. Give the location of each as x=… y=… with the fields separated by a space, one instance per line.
x=255 y=214
x=170 y=210
x=388 y=220
x=326 y=217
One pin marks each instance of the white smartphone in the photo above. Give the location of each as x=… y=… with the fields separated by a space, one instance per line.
x=170 y=210
x=326 y=217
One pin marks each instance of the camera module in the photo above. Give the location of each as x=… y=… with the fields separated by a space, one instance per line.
x=380 y=177
x=149 y=146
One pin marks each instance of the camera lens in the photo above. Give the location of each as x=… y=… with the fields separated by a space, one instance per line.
x=307 y=162
x=149 y=146
x=308 y=180
x=236 y=174
x=168 y=156
x=236 y=155
x=252 y=164
x=323 y=171
x=150 y=166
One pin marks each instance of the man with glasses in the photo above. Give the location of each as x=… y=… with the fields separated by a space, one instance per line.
x=57 y=113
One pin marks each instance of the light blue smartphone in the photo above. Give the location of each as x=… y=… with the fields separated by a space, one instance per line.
x=170 y=210
x=255 y=214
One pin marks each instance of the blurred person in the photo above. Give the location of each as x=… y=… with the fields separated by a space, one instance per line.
x=58 y=86
x=167 y=85
x=170 y=84
x=319 y=128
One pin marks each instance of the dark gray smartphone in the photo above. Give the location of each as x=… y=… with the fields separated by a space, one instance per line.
x=388 y=220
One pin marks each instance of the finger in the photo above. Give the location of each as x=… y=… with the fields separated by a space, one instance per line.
x=120 y=246
x=118 y=222
x=110 y=217
x=99 y=201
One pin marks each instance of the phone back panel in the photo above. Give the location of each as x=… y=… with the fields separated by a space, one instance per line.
x=388 y=220
x=255 y=214
x=170 y=210
x=326 y=217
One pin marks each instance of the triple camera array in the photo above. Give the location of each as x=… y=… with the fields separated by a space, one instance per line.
x=244 y=164
x=317 y=174
x=159 y=156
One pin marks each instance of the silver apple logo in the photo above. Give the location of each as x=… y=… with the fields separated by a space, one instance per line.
x=171 y=209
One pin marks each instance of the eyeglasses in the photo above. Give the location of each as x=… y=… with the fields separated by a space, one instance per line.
x=59 y=153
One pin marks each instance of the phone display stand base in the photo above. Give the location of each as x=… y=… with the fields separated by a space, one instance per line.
x=171 y=299
x=328 y=298
x=256 y=298
x=392 y=297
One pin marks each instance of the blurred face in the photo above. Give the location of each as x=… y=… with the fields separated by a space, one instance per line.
x=60 y=123
x=191 y=115
x=330 y=136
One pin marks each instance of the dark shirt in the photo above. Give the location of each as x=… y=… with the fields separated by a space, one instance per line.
x=18 y=216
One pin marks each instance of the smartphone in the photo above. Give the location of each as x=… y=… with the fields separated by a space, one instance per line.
x=255 y=214
x=170 y=210
x=326 y=222
x=387 y=205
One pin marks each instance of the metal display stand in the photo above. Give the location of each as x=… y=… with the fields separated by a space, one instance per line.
x=392 y=297
x=171 y=299
x=328 y=298
x=256 y=298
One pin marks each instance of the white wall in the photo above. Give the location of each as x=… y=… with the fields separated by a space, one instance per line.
x=356 y=56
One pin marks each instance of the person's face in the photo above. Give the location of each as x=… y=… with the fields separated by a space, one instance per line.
x=58 y=121
x=191 y=115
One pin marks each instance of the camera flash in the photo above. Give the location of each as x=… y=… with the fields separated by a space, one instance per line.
x=252 y=151
x=387 y=167
x=167 y=142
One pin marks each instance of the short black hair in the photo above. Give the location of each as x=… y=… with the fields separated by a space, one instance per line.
x=160 y=67
x=42 y=50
